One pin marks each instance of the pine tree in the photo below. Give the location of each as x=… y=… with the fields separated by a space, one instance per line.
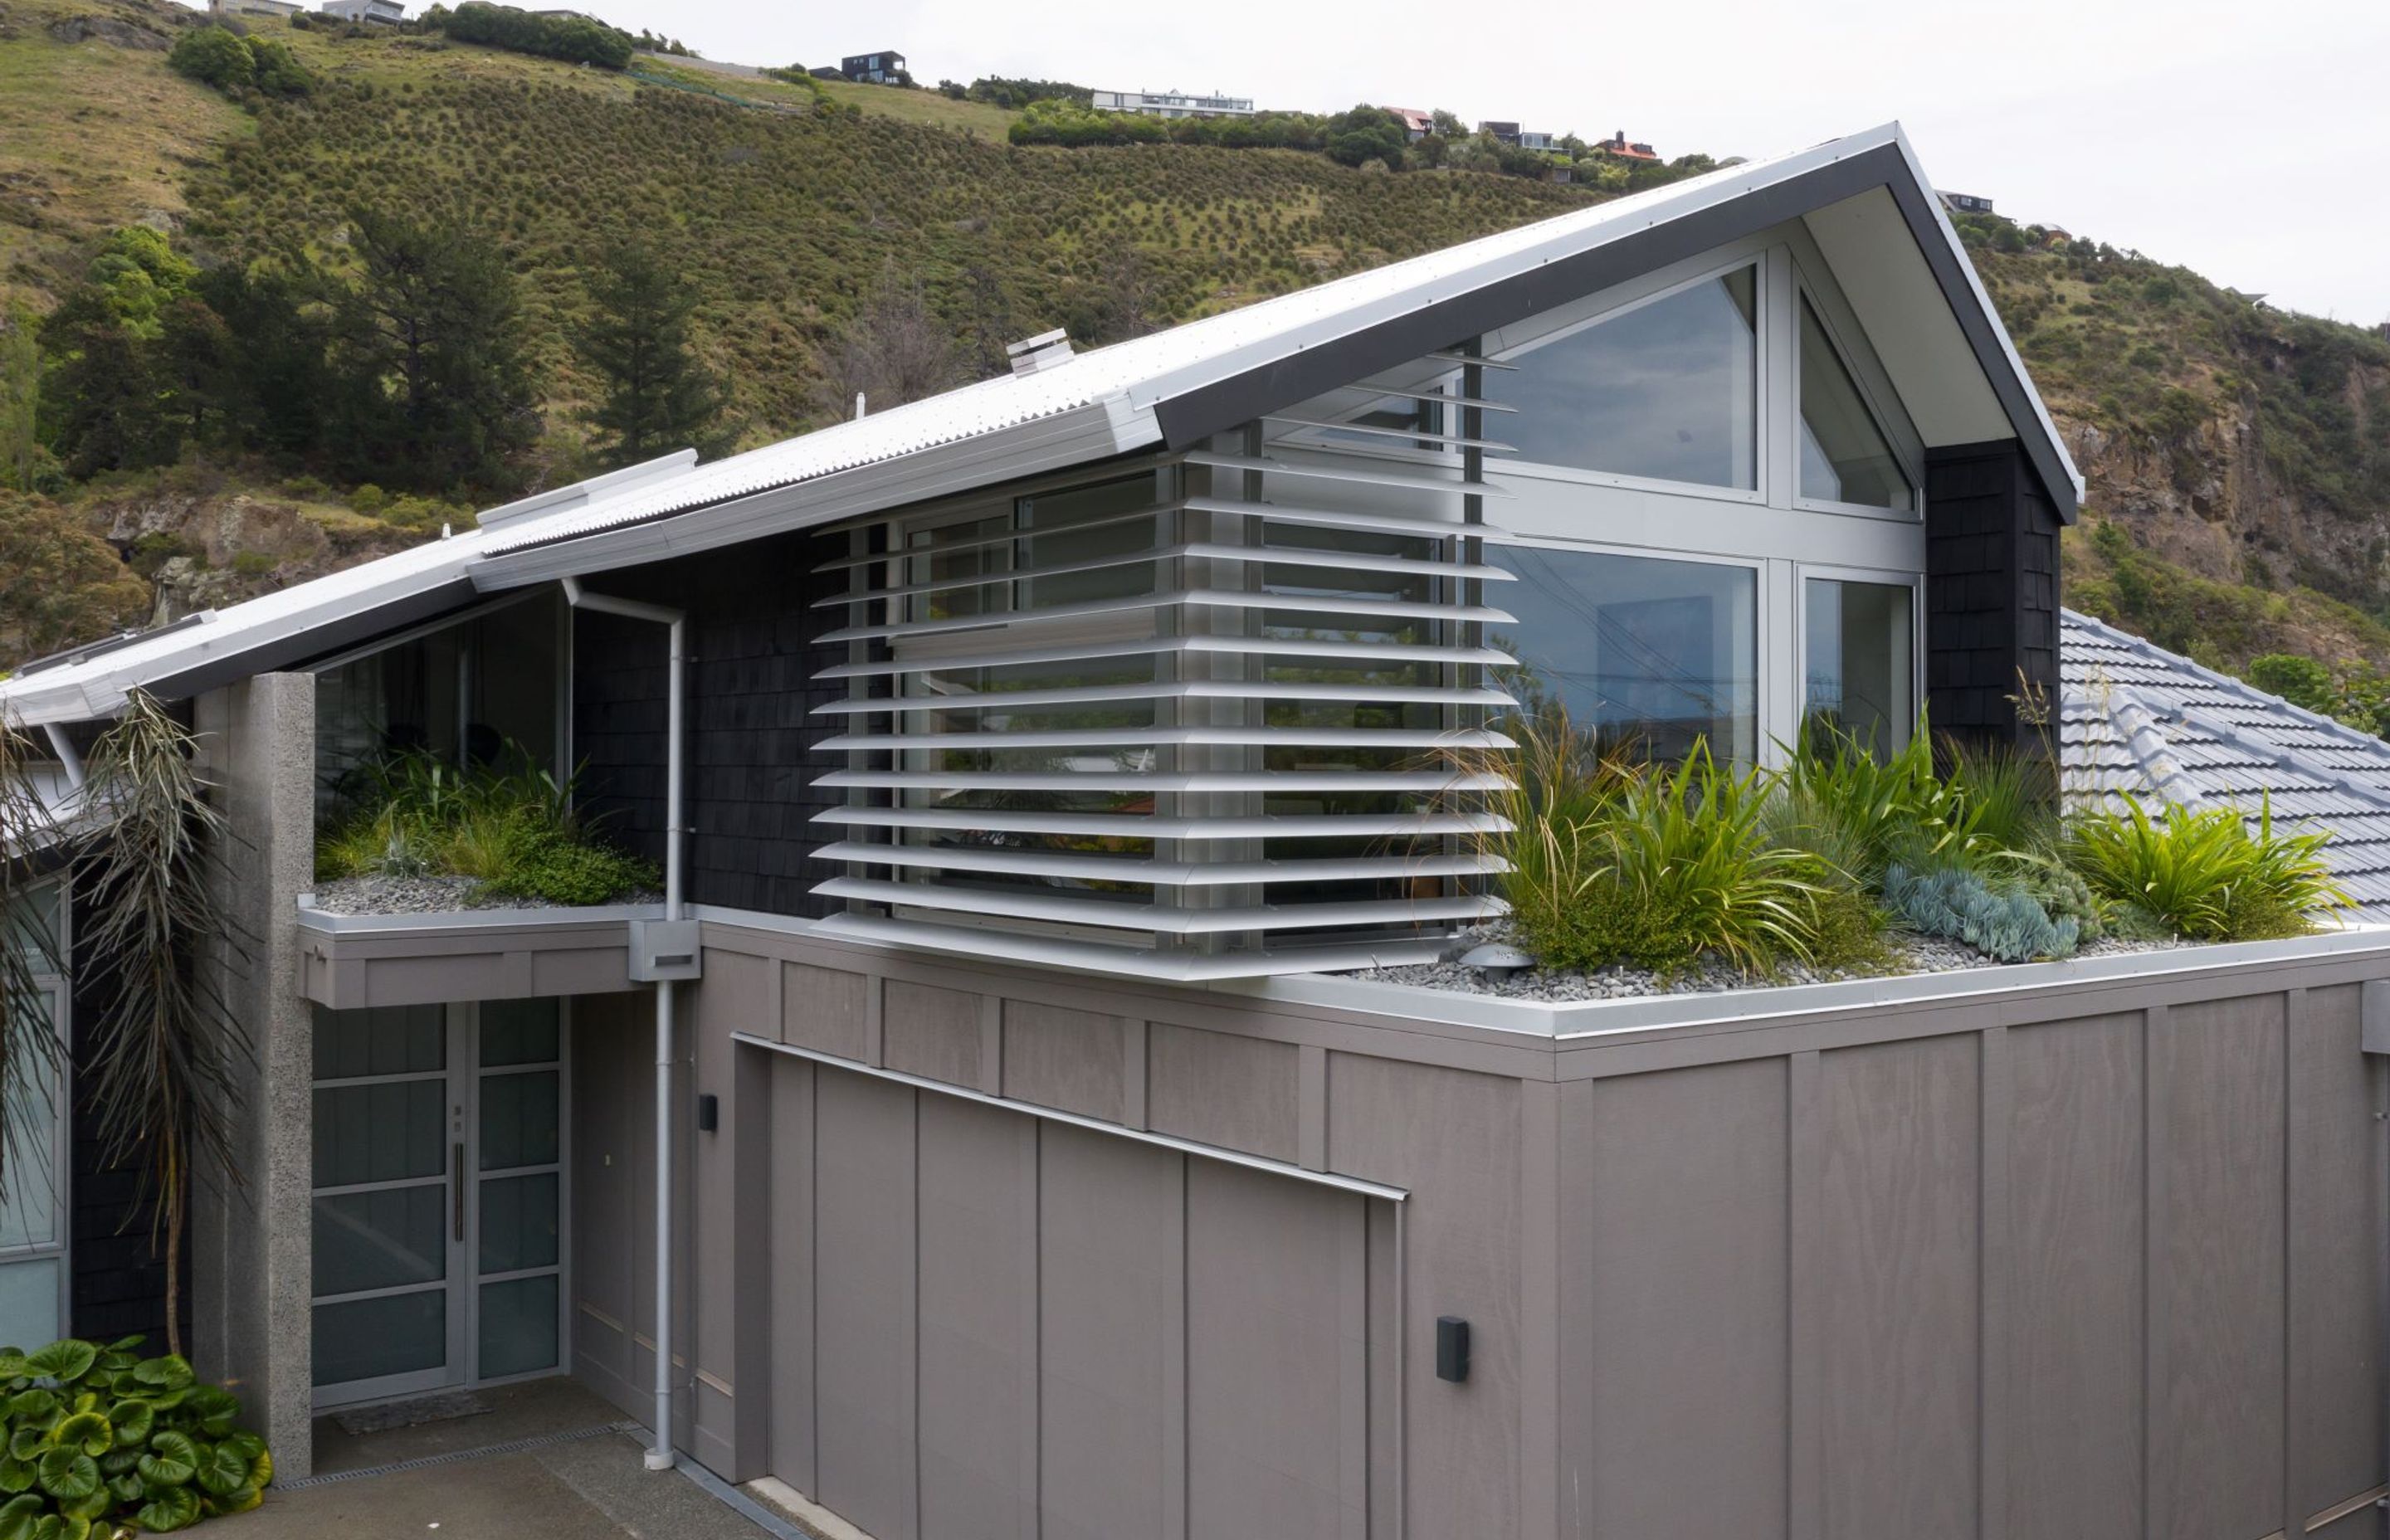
x=659 y=397
x=431 y=340
x=101 y=404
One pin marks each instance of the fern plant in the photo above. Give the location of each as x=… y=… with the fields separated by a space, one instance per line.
x=2204 y=872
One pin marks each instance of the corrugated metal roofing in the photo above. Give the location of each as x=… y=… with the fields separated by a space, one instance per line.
x=2136 y=718
x=1098 y=403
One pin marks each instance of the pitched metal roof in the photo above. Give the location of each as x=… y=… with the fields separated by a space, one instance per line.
x=1170 y=389
x=2136 y=718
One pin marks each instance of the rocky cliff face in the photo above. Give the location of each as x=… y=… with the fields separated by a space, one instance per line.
x=207 y=550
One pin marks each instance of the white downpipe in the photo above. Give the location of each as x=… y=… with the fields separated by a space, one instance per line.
x=660 y=1457
x=69 y=762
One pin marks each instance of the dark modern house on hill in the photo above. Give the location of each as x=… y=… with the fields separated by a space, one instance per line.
x=986 y=1133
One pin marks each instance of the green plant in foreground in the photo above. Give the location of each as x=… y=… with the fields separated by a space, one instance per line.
x=2003 y=922
x=2203 y=873
x=1666 y=869
x=1882 y=809
x=102 y=1442
x=510 y=827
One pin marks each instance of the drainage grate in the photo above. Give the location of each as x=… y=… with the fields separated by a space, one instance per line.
x=514 y=1446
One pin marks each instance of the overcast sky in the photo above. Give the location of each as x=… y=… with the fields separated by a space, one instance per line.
x=2250 y=142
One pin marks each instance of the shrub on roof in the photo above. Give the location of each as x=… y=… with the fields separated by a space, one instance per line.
x=2204 y=873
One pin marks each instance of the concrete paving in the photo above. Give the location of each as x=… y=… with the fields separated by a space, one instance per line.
x=592 y=1488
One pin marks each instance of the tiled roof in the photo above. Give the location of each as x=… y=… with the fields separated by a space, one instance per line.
x=2137 y=718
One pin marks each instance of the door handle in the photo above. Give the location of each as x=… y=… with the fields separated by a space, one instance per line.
x=457 y=1159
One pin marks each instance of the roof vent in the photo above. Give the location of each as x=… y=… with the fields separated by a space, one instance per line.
x=1041 y=351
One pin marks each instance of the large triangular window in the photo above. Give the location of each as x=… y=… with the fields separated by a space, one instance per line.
x=1663 y=392
x=1845 y=456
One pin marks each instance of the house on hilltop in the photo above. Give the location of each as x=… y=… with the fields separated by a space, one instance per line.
x=885 y=68
x=276 y=8
x=1417 y=125
x=1011 y=1115
x=1965 y=203
x=383 y=13
x=1173 y=104
x=1617 y=144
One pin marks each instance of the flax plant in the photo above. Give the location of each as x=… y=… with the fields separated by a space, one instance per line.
x=30 y=1051
x=165 y=1078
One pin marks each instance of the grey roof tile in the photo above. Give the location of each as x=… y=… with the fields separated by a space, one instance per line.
x=2132 y=714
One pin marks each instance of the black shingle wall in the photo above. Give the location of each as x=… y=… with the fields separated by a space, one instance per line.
x=1991 y=590
x=752 y=618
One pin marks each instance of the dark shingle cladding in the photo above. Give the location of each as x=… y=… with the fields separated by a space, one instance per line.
x=1991 y=588
x=751 y=693
x=2137 y=718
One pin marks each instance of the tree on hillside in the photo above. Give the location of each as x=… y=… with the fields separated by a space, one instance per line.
x=20 y=397
x=213 y=57
x=100 y=400
x=893 y=350
x=1366 y=134
x=431 y=344
x=59 y=584
x=659 y=396
x=274 y=337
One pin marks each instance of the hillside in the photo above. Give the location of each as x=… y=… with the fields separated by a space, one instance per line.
x=2239 y=458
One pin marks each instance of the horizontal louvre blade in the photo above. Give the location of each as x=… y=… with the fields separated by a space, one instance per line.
x=1367 y=388
x=1109 y=780
x=1139 y=737
x=876 y=558
x=1155 y=919
x=1145 y=826
x=1232 y=689
x=988 y=944
x=1202 y=597
x=1160 y=874
x=1413 y=434
x=1340 y=519
x=1249 y=646
x=1290 y=556
x=1270 y=465
x=1465 y=359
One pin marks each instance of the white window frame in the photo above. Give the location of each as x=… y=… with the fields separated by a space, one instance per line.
x=1882 y=578
x=1842 y=333
x=59 y=989
x=1562 y=322
x=1766 y=709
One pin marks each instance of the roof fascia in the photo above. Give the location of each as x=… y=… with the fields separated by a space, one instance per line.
x=342 y=634
x=1217 y=406
x=1084 y=435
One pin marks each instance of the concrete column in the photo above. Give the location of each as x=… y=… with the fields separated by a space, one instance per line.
x=251 y=1251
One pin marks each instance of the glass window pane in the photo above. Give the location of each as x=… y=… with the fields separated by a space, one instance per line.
x=380 y=1239
x=29 y=1303
x=1844 y=456
x=383 y=1133
x=33 y=929
x=368 y=1338
x=519 y=1031
x=519 y=1223
x=518 y=1326
x=519 y=1120
x=1667 y=391
x=382 y=1040
x=29 y=1218
x=1649 y=654
x=1860 y=637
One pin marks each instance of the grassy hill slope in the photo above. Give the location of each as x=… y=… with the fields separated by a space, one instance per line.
x=2239 y=458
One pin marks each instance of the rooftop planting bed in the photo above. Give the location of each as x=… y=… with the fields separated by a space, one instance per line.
x=1628 y=878
x=422 y=835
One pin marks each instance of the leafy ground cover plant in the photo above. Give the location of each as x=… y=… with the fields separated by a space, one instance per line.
x=2004 y=922
x=2204 y=873
x=1606 y=861
x=102 y=1442
x=511 y=827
